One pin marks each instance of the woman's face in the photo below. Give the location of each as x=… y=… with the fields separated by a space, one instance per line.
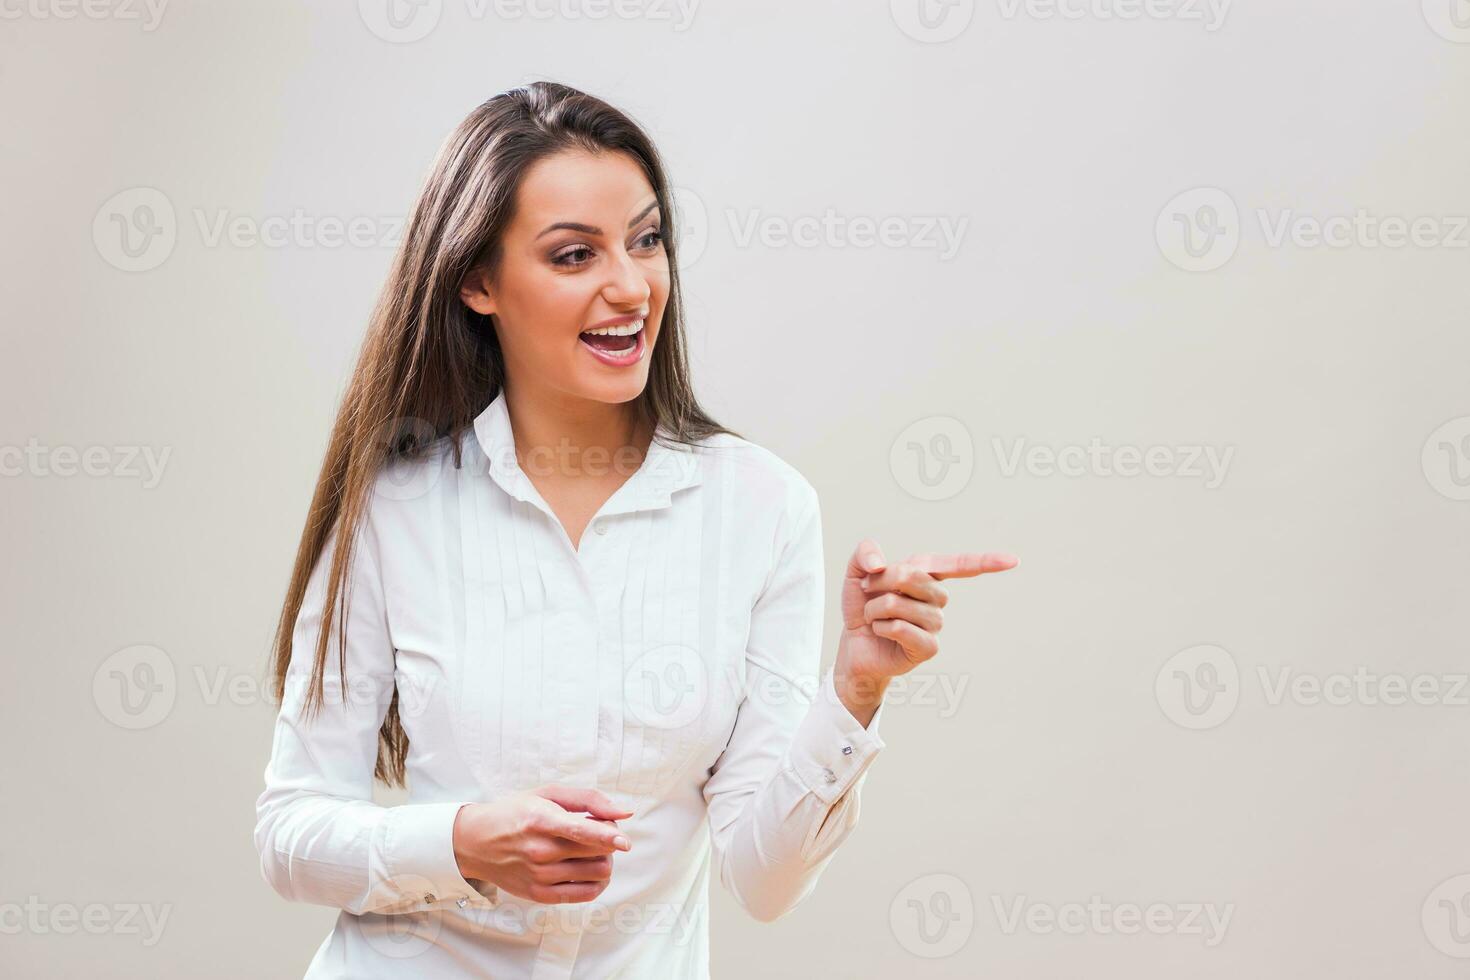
x=585 y=247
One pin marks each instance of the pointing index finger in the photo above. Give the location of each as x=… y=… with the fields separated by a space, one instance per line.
x=965 y=564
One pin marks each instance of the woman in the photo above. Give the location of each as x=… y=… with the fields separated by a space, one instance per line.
x=574 y=613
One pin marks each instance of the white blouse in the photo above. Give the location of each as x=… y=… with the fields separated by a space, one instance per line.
x=670 y=661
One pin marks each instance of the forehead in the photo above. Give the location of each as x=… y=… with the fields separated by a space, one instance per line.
x=576 y=185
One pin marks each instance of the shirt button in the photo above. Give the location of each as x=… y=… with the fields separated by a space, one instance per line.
x=829 y=775
x=600 y=527
x=847 y=750
x=461 y=902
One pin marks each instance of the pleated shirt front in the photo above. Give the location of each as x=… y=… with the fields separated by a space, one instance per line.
x=672 y=660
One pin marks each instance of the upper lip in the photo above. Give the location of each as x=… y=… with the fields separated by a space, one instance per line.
x=618 y=321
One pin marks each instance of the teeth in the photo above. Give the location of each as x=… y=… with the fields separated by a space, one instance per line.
x=625 y=330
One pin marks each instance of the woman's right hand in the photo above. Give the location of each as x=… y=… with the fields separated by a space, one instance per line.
x=533 y=845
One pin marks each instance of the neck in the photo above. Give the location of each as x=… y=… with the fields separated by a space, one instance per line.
x=557 y=434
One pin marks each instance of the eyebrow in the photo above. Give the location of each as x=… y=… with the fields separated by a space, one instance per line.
x=589 y=229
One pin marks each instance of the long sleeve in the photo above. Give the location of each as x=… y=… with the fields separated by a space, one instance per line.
x=784 y=794
x=320 y=837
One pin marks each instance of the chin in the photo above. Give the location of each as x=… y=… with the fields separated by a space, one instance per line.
x=616 y=392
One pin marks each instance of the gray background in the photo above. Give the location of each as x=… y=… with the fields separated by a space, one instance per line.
x=1064 y=765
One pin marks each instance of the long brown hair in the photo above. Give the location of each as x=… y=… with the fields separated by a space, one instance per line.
x=428 y=358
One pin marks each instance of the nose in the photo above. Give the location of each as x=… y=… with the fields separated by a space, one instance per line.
x=627 y=286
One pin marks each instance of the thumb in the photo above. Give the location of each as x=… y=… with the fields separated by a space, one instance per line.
x=578 y=799
x=866 y=557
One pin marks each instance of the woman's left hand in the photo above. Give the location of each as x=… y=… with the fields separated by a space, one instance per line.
x=890 y=615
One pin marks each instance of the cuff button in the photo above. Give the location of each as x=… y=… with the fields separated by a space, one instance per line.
x=829 y=775
x=461 y=902
x=430 y=898
x=847 y=750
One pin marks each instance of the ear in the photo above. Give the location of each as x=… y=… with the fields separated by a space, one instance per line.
x=474 y=292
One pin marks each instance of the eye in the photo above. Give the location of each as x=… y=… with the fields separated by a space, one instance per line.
x=579 y=255
x=565 y=258
x=657 y=236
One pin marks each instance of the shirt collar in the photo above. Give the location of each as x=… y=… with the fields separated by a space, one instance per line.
x=663 y=470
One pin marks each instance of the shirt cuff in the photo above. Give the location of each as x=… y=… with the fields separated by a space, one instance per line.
x=830 y=750
x=419 y=853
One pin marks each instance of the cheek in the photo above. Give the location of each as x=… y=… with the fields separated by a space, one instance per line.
x=658 y=279
x=546 y=316
x=658 y=293
x=559 y=305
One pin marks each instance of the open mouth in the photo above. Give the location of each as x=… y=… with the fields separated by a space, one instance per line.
x=620 y=345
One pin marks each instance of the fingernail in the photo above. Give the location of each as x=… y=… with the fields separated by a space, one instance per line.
x=622 y=842
x=872 y=561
